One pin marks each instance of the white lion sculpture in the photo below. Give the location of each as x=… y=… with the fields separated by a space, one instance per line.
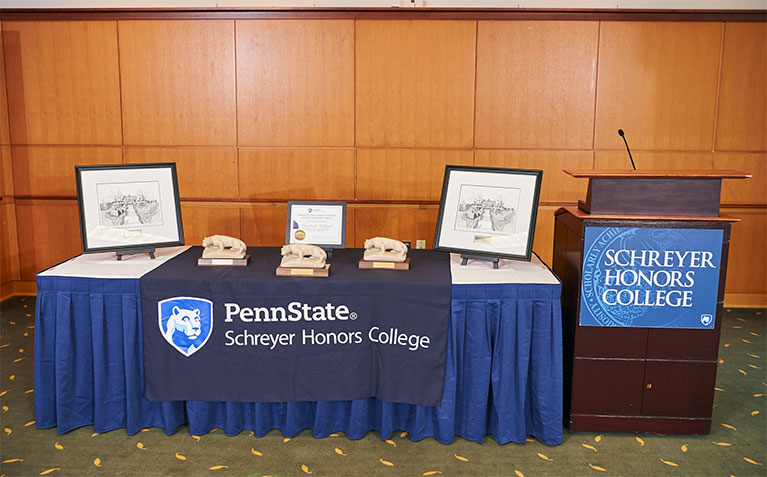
x=223 y=246
x=302 y=255
x=185 y=321
x=382 y=249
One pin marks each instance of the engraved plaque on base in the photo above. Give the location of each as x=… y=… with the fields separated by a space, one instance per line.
x=373 y=265
x=303 y=272
x=223 y=262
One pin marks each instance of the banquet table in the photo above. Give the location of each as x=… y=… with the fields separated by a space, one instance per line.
x=503 y=367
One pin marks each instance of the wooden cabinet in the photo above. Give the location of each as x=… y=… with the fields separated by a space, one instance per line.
x=633 y=379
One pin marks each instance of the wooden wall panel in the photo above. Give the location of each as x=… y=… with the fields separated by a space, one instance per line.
x=49 y=171
x=5 y=134
x=405 y=174
x=204 y=220
x=301 y=95
x=299 y=174
x=9 y=245
x=415 y=83
x=295 y=83
x=49 y=233
x=657 y=81
x=619 y=160
x=556 y=186
x=416 y=222
x=742 y=120
x=748 y=252
x=543 y=242
x=63 y=82
x=264 y=225
x=748 y=191
x=536 y=82
x=178 y=82
x=6 y=173
x=202 y=172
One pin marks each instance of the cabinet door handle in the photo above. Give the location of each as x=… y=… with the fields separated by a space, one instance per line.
x=649 y=385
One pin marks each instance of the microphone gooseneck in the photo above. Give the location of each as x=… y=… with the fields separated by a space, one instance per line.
x=620 y=133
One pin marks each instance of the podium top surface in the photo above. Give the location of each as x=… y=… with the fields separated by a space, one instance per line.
x=659 y=174
x=582 y=215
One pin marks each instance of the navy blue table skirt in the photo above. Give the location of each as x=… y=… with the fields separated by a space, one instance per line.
x=503 y=372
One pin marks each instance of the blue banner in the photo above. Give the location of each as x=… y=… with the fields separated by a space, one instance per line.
x=650 y=277
x=244 y=334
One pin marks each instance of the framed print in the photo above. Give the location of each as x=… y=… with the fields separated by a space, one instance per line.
x=488 y=212
x=128 y=206
x=316 y=223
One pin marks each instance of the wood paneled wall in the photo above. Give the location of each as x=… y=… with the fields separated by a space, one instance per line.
x=9 y=246
x=256 y=112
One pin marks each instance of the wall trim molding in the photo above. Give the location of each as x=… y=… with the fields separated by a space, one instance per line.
x=235 y=201
x=63 y=14
x=745 y=300
x=18 y=288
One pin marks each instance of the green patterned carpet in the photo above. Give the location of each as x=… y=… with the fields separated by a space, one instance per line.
x=737 y=444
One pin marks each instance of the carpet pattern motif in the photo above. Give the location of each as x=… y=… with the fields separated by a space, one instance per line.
x=736 y=446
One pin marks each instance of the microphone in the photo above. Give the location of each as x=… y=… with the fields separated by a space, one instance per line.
x=620 y=133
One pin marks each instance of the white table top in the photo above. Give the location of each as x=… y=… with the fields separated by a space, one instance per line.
x=105 y=265
x=509 y=271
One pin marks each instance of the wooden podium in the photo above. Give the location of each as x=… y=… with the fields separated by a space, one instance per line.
x=633 y=379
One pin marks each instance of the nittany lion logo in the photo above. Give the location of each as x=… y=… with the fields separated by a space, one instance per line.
x=186 y=322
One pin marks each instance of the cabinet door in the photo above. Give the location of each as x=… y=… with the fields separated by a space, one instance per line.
x=679 y=388
x=607 y=386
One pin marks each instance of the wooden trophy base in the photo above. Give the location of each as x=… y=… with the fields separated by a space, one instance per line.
x=369 y=265
x=303 y=272
x=224 y=262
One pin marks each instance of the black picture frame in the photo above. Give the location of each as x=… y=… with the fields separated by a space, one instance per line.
x=464 y=184
x=152 y=193
x=329 y=245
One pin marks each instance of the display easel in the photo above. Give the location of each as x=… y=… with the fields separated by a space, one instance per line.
x=466 y=257
x=135 y=251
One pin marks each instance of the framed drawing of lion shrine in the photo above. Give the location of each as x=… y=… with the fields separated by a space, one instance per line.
x=126 y=207
x=488 y=212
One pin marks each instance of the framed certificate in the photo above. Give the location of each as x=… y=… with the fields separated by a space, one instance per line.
x=128 y=206
x=316 y=223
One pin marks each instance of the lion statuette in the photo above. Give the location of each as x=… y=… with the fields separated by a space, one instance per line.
x=382 y=249
x=302 y=255
x=223 y=246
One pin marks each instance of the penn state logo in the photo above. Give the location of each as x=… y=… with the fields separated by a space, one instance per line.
x=186 y=322
x=706 y=319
